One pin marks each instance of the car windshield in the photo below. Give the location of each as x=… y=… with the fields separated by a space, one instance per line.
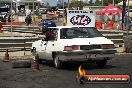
x=79 y=32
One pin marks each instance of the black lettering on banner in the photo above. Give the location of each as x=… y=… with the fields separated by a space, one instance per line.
x=80 y=20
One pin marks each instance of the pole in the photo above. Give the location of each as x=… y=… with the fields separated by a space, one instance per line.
x=68 y=4
x=33 y=17
x=128 y=18
x=123 y=13
x=102 y=2
x=63 y=5
x=80 y=7
x=113 y=3
x=64 y=23
x=11 y=19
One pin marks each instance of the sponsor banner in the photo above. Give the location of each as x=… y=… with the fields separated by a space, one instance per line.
x=83 y=78
x=81 y=18
x=107 y=78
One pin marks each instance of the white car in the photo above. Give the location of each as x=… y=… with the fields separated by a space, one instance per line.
x=74 y=44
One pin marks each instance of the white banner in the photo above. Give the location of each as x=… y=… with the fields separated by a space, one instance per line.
x=81 y=18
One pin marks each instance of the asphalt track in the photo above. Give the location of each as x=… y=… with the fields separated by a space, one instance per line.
x=49 y=77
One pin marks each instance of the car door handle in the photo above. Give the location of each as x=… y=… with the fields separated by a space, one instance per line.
x=42 y=50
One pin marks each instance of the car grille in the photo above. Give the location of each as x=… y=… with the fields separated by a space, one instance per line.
x=89 y=47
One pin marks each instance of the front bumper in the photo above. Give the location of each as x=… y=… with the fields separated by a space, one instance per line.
x=86 y=55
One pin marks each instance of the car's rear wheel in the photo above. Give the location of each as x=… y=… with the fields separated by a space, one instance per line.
x=101 y=63
x=57 y=62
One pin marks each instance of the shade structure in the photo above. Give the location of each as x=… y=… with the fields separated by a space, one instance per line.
x=109 y=10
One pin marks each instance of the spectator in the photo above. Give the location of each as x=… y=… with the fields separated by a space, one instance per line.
x=28 y=20
x=47 y=34
x=110 y=24
x=9 y=18
x=128 y=22
x=98 y=24
x=2 y=19
x=6 y=18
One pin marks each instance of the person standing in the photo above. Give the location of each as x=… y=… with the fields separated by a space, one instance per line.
x=9 y=18
x=6 y=18
x=28 y=20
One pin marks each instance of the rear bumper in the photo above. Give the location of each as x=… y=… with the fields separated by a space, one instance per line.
x=86 y=55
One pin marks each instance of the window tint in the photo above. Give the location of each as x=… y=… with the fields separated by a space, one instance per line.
x=82 y=32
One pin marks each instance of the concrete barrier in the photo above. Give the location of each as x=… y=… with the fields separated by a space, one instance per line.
x=21 y=42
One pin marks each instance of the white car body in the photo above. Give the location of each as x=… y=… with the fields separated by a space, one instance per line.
x=47 y=49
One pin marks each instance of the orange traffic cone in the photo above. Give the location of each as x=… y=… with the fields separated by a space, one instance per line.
x=35 y=64
x=1 y=31
x=6 y=57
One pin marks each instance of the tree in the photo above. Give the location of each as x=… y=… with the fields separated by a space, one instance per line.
x=97 y=3
x=106 y=2
x=77 y=4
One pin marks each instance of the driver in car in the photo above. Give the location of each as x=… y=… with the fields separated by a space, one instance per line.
x=46 y=34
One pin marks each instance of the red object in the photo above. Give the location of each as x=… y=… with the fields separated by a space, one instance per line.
x=13 y=23
x=109 y=10
x=110 y=24
x=98 y=24
x=0 y=28
x=1 y=23
x=6 y=57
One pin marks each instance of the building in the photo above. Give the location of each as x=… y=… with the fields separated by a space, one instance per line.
x=25 y=4
x=29 y=4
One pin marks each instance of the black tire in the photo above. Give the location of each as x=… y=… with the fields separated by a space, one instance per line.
x=21 y=63
x=57 y=62
x=101 y=63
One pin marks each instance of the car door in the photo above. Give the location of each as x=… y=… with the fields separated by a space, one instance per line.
x=42 y=47
x=50 y=45
x=49 y=49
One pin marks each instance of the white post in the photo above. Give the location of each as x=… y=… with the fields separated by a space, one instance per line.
x=102 y=2
x=68 y=4
x=113 y=2
x=63 y=14
x=33 y=16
